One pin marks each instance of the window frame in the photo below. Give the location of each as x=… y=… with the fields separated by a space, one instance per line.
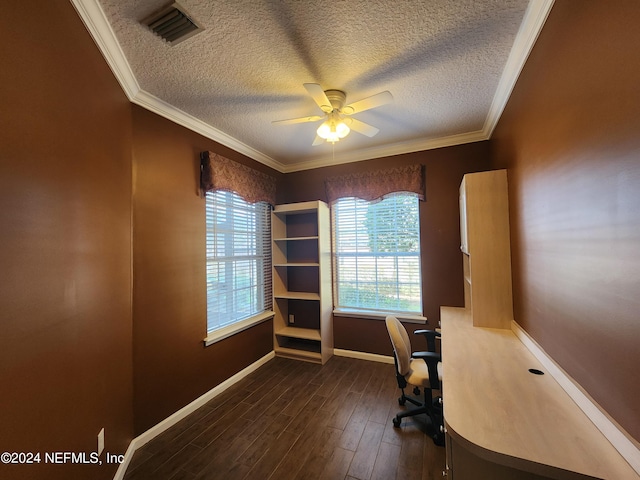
x=371 y=312
x=260 y=242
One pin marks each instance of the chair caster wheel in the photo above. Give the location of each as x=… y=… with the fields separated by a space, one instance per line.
x=396 y=422
x=416 y=391
x=401 y=401
x=438 y=439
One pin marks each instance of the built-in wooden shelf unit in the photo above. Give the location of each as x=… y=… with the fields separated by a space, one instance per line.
x=302 y=291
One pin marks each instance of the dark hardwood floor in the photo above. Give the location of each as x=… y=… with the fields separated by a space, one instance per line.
x=296 y=420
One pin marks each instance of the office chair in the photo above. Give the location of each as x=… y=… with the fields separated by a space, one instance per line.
x=421 y=369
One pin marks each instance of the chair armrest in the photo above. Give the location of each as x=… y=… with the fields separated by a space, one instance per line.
x=437 y=333
x=428 y=357
x=431 y=359
x=430 y=336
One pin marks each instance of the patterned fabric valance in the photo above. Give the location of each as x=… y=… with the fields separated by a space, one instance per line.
x=220 y=173
x=378 y=183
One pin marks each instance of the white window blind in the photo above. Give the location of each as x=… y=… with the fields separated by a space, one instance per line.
x=376 y=247
x=238 y=259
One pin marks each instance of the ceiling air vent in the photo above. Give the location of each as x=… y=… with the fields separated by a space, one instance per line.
x=172 y=23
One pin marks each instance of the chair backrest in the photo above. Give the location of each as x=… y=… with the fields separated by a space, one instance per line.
x=401 y=344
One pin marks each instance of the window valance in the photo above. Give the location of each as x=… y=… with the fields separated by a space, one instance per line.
x=377 y=183
x=220 y=173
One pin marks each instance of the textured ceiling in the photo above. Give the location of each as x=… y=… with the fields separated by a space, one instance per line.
x=446 y=63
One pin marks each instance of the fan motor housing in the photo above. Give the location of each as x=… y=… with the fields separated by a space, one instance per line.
x=336 y=97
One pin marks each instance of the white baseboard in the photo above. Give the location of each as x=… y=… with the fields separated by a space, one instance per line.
x=373 y=357
x=128 y=455
x=168 y=422
x=609 y=428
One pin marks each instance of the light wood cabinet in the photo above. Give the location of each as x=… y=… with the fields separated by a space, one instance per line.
x=302 y=292
x=502 y=422
x=505 y=423
x=485 y=245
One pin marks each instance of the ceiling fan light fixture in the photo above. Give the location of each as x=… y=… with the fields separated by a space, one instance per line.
x=337 y=117
x=342 y=130
x=333 y=129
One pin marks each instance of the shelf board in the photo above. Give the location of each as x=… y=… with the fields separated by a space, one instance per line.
x=292 y=239
x=298 y=295
x=297 y=208
x=297 y=332
x=295 y=354
x=306 y=264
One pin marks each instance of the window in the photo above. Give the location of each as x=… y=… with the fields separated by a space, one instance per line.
x=377 y=254
x=238 y=259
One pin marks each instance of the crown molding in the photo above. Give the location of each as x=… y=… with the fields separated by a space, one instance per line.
x=386 y=151
x=531 y=26
x=96 y=23
x=168 y=111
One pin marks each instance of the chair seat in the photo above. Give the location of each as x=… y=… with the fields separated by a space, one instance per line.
x=419 y=373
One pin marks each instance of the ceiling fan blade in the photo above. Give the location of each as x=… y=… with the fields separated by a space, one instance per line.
x=313 y=118
x=373 y=101
x=319 y=96
x=319 y=140
x=363 y=128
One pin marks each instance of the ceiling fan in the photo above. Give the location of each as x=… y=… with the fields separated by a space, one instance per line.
x=337 y=116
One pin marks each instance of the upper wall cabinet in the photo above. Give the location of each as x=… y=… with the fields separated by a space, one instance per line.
x=485 y=245
x=302 y=292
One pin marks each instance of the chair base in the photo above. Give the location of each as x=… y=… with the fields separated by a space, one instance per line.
x=432 y=409
x=404 y=399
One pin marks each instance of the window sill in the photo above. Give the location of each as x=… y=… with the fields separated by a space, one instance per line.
x=230 y=330
x=371 y=315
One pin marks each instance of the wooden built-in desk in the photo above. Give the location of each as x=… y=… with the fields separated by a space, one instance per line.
x=504 y=422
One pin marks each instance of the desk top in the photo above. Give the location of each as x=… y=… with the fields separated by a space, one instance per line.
x=498 y=410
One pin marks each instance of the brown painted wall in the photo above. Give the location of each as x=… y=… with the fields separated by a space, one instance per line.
x=65 y=243
x=67 y=132
x=440 y=232
x=570 y=139
x=171 y=365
